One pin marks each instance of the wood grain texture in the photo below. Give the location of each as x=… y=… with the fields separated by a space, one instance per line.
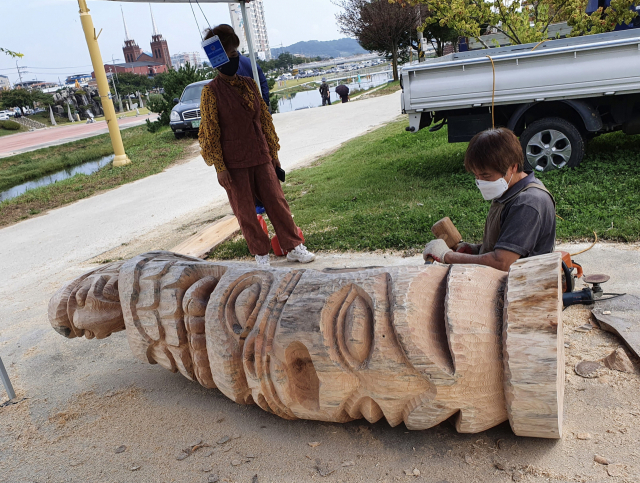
x=209 y=237
x=533 y=347
x=417 y=344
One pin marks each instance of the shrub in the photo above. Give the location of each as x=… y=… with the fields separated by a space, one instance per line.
x=9 y=125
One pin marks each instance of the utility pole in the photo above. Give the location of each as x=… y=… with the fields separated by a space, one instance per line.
x=121 y=157
x=19 y=73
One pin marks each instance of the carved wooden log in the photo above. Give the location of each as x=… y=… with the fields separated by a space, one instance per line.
x=417 y=345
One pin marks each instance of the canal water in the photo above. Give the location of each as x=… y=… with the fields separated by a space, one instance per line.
x=311 y=98
x=89 y=167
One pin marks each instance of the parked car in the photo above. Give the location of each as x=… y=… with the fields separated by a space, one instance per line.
x=185 y=116
x=4 y=115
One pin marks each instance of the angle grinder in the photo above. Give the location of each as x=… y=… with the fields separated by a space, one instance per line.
x=589 y=295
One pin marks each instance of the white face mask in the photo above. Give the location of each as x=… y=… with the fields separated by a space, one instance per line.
x=493 y=189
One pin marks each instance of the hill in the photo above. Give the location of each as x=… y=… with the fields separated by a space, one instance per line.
x=316 y=48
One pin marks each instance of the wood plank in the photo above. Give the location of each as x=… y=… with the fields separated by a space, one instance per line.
x=208 y=238
x=623 y=319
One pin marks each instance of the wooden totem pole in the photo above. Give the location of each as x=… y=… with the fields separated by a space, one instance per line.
x=417 y=345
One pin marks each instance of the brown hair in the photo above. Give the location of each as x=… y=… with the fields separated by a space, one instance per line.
x=226 y=34
x=495 y=149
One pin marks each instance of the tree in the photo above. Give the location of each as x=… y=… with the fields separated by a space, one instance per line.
x=174 y=82
x=16 y=98
x=285 y=61
x=379 y=26
x=603 y=19
x=11 y=53
x=130 y=83
x=522 y=21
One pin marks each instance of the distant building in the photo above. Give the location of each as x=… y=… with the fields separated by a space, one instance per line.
x=255 y=12
x=81 y=78
x=178 y=60
x=5 y=85
x=139 y=62
x=36 y=84
x=145 y=67
x=159 y=45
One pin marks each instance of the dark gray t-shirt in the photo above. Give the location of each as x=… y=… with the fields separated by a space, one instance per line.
x=528 y=221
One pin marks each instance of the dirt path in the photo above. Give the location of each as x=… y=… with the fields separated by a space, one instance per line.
x=88 y=398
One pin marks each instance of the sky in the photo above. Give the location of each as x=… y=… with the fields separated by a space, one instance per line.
x=49 y=33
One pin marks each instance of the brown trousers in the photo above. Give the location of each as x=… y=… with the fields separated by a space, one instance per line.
x=261 y=182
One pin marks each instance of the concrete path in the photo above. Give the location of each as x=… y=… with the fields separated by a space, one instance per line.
x=34 y=249
x=43 y=138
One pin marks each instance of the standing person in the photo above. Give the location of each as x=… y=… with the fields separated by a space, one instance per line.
x=237 y=136
x=522 y=219
x=343 y=91
x=244 y=69
x=324 y=92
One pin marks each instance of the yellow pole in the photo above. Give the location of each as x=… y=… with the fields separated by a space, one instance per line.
x=121 y=157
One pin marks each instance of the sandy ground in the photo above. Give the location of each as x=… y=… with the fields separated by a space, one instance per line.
x=92 y=413
x=86 y=399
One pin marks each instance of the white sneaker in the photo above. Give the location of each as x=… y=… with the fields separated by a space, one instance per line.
x=300 y=254
x=263 y=261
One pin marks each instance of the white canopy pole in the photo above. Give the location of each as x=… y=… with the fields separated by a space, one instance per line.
x=247 y=33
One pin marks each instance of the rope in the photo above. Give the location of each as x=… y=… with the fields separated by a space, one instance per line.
x=194 y=17
x=541 y=42
x=493 y=93
x=205 y=17
x=587 y=249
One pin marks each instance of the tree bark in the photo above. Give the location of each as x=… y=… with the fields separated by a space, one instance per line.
x=394 y=61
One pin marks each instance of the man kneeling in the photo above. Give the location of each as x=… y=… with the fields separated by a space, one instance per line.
x=521 y=221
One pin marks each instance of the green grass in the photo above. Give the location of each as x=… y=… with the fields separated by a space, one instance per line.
x=384 y=190
x=7 y=132
x=15 y=170
x=149 y=153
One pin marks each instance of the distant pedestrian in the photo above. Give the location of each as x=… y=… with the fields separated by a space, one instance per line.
x=324 y=92
x=343 y=91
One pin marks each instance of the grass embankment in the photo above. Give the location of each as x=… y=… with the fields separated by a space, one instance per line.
x=149 y=153
x=385 y=190
x=7 y=132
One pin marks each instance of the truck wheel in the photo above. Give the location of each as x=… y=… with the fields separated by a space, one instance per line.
x=552 y=143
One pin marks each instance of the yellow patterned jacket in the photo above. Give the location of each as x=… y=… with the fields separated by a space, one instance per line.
x=209 y=133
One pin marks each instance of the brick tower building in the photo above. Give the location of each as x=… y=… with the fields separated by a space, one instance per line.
x=159 y=47
x=130 y=50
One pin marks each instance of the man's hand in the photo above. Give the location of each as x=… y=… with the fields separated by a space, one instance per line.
x=469 y=248
x=224 y=178
x=436 y=249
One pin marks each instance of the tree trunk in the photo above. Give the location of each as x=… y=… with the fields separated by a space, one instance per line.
x=394 y=61
x=414 y=344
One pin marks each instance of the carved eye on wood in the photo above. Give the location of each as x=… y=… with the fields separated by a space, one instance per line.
x=354 y=327
x=243 y=302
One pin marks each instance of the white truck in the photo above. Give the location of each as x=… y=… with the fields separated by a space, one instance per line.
x=555 y=95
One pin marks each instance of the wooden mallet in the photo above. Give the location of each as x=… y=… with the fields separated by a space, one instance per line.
x=446 y=230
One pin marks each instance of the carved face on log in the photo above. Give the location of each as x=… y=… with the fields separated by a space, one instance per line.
x=89 y=305
x=416 y=345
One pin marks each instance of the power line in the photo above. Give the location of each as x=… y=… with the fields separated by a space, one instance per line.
x=52 y=68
